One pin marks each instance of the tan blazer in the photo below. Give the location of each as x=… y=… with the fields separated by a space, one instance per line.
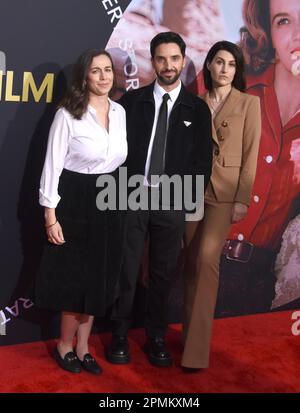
x=236 y=135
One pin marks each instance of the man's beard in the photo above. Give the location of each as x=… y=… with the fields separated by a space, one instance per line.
x=168 y=81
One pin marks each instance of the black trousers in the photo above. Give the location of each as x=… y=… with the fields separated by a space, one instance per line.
x=165 y=231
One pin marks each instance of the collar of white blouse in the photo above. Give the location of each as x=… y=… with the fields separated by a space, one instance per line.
x=93 y=112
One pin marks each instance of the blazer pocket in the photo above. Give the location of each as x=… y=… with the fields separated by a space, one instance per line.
x=232 y=160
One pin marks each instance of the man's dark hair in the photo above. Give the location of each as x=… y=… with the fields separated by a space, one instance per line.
x=167 y=37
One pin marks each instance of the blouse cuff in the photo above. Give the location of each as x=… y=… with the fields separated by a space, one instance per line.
x=46 y=202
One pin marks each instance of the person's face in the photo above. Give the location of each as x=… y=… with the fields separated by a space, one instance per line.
x=100 y=76
x=222 y=68
x=168 y=63
x=285 y=33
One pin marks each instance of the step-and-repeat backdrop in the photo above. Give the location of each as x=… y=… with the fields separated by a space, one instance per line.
x=39 y=41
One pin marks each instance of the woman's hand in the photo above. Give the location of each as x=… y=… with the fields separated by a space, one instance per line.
x=239 y=212
x=53 y=229
x=55 y=234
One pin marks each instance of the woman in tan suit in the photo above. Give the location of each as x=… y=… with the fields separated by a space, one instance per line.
x=236 y=133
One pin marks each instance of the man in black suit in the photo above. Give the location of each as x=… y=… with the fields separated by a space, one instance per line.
x=169 y=133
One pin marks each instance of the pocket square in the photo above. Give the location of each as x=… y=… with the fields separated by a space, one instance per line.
x=187 y=123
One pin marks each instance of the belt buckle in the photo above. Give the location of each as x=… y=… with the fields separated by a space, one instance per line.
x=240 y=251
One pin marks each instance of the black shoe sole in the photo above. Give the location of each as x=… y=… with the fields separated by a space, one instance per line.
x=91 y=371
x=115 y=359
x=191 y=369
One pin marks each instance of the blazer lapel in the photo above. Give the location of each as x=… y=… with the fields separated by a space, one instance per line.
x=147 y=104
x=213 y=129
x=227 y=108
x=147 y=101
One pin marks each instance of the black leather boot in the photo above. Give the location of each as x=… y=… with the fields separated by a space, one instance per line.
x=118 y=350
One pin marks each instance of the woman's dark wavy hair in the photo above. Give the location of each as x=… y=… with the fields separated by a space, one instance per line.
x=256 y=39
x=77 y=96
x=239 y=81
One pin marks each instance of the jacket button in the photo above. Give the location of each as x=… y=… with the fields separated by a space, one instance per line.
x=216 y=152
x=224 y=124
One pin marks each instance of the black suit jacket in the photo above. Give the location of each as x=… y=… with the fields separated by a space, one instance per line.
x=188 y=145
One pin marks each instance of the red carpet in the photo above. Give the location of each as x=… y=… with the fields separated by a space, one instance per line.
x=249 y=354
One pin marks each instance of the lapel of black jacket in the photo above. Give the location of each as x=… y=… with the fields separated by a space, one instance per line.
x=146 y=100
x=146 y=109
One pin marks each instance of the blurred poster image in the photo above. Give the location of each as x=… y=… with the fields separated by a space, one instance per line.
x=262 y=272
x=200 y=23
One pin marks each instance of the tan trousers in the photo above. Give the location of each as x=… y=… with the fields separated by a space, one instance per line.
x=204 y=242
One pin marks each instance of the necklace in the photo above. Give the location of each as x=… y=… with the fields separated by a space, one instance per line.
x=217 y=105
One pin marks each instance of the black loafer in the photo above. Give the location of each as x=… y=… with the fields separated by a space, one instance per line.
x=70 y=361
x=157 y=352
x=118 y=351
x=90 y=365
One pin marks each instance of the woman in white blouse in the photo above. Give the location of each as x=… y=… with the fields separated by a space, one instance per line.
x=81 y=261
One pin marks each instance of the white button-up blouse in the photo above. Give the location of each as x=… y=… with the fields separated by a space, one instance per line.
x=82 y=146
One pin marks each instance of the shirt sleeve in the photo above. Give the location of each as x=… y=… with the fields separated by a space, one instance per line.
x=57 y=148
x=251 y=140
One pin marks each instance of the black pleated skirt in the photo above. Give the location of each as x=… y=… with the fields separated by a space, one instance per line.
x=82 y=275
